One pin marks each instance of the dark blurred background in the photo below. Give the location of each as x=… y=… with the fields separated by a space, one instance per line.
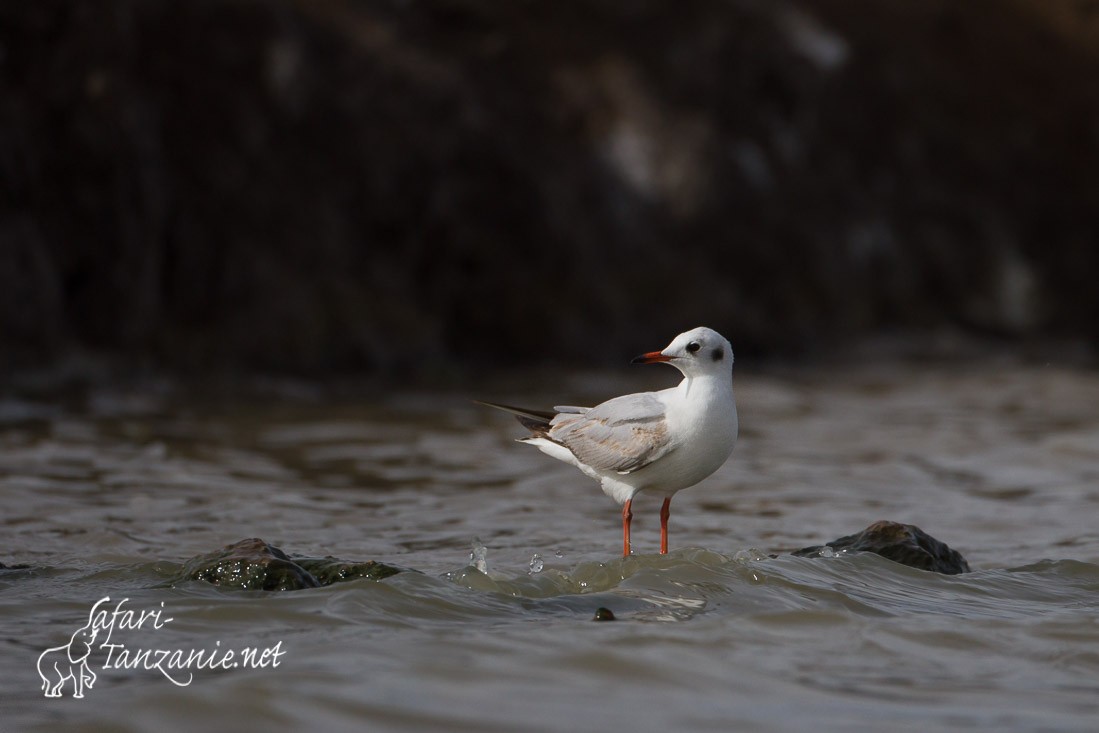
x=316 y=187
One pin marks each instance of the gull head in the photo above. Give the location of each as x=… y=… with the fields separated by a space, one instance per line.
x=697 y=352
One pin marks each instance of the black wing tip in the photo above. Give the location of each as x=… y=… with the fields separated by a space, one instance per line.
x=536 y=421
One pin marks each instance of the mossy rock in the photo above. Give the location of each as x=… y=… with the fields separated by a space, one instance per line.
x=329 y=570
x=256 y=565
x=903 y=543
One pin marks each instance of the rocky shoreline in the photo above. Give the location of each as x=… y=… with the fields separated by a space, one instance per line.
x=294 y=187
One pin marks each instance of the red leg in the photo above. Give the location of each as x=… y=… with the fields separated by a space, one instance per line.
x=665 y=512
x=627 y=516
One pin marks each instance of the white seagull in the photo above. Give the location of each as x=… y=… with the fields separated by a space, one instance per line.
x=650 y=441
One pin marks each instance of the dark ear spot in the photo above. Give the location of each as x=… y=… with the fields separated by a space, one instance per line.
x=718 y=354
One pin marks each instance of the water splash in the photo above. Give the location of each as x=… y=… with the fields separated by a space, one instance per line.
x=536 y=564
x=478 y=556
x=750 y=555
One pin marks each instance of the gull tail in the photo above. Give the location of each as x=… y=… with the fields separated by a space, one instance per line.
x=536 y=421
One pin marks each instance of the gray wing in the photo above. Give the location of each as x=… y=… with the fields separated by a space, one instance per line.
x=624 y=434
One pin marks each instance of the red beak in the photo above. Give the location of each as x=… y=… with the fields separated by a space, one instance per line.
x=653 y=357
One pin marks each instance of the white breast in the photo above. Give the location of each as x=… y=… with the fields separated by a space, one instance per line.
x=702 y=424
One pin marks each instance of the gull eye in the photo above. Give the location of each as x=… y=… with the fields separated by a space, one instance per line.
x=693 y=346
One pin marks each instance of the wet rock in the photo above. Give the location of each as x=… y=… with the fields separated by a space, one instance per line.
x=604 y=614
x=255 y=565
x=251 y=564
x=329 y=570
x=903 y=543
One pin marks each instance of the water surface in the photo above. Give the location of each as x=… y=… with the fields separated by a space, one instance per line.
x=1000 y=461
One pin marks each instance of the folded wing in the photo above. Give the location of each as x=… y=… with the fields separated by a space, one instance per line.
x=621 y=435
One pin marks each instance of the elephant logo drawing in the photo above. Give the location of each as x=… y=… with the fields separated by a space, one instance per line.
x=59 y=664
x=72 y=662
